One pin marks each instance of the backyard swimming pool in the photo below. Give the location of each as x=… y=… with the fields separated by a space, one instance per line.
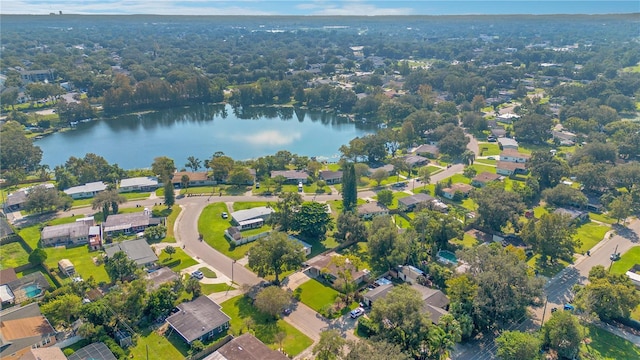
x=447 y=257
x=32 y=291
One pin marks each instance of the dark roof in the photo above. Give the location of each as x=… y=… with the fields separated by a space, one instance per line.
x=415 y=199
x=5 y=228
x=371 y=208
x=161 y=276
x=290 y=174
x=197 y=318
x=95 y=351
x=427 y=148
x=246 y=347
x=573 y=214
x=379 y=292
x=137 y=250
x=7 y=276
x=485 y=177
x=330 y=175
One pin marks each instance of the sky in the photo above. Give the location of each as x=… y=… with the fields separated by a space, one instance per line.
x=317 y=7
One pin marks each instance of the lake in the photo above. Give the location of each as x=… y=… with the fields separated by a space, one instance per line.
x=133 y=141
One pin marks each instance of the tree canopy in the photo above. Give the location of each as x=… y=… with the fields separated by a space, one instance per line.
x=274 y=254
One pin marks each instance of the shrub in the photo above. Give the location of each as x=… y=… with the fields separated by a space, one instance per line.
x=367 y=327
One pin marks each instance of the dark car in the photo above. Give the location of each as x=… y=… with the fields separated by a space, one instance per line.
x=615 y=257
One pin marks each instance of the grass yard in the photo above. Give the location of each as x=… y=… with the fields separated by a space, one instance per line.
x=480 y=168
x=627 y=260
x=547 y=270
x=248 y=205
x=467 y=241
x=171 y=215
x=434 y=169
x=159 y=346
x=13 y=255
x=538 y=211
x=82 y=260
x=180 y=260
x=31 y=234
x=212 y=226
x=208 y=273
x=136 y=195
x=317 y=295
x=361 y=251
x=468 y=204
x=401 y=222
x=590 y=234
x=607 y=346
x=313 y=189
x=396 y=196
x=264 y=327
x=486 y=162
x=603 y=218
x=458 y=178
x=489 y=149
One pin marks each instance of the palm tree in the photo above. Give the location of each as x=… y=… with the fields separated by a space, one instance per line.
x=193 y=163
x=468 y=157
x=108 y=198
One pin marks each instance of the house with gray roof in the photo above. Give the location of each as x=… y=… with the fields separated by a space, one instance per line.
x=507 y=143
x=129 y=223
x=137 y=250
x=331 y=177
x=388 y=168
x=371 y=210
x=415 y=160
x=410 y=202
x=200 y=319
x=87 y=190
x=427 y=150
x=75 y=233
x=246 y=216
x=143 y=183
x=16 y=200
x=574 y=215
x=291 y=176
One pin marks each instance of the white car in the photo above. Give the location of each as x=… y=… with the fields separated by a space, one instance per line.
x=197 y=274
x=355 y=313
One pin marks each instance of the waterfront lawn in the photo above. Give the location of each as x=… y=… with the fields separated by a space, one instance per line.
x=627 y=260
x=180 y=260
x=82 y=260
x=590 y=234
x=212 y=226
x=607 y=346
x=264 y=327
x=248 y=205
x=13 y=255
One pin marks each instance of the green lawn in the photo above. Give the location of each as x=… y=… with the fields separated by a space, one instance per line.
x=480 y=168
x=240 y=308
x=538 y=211
x=82 y=260
x=489 y=149
x=208 y=273
x=159 y=346
x=313 y=189
x=171 y=215
x=607 y=346
x=13 y=255
x=248 y=205
x=180 y=260
x=469 y=204
x=361 y=251
x=434 y=169
x=458 y=178
x=627 y=260
x=549 y=270
x=466 y=242
x=212 y=226
x=603 y=218
x=31 y=234
x=136 y=195
x=396 y=196
x=317 y=295
x=590 y=234
x=486 y=162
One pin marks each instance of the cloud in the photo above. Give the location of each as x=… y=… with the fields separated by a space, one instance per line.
x=269 y=138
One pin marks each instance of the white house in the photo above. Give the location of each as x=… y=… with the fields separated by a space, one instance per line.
x=143 y=183
x=88 y=190
x=507 y=143
x=511 y=155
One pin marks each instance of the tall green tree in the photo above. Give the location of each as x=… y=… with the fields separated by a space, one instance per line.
x=272 y=300
x=349 y=187
x=385 y=197
x=350 y=228
x=552 y=236
x=120 y=267
x=106 y=199
x=40 y=199
x=169 y=195
x=609 y=296
x=330 y=346
x=63 y=308
x=547 y=168
x=23 y=155
x=496 y=206
x=193 y=287
x=517 y=345
x=274 y=254
x=621 y=207
x=193 y=163
x=161 y=302
x=164 y=167
x=284 y=218
x=379 y=176
x=563 y=334
x=312 y=220
x=386 y=248
x=38 y=256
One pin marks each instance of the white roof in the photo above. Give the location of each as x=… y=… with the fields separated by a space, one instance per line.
x=5 y=293
x=633 y=276
x=89 y=187
x=507 y=141
x=139 y=181
x=248 y=214
x=508 y=116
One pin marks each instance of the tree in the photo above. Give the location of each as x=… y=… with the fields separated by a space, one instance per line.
x=385 y=197
x=496 y=206
x=552 y=237
x=349 y=188
x=547 y=168
x=468 y=157
x=533 y=128
x=563 y=334
x=424 y=175
x=379 y=176
x=108 y=198
x=312 y=220
x=505 y=285
x=155 y=233
x=436 y=228
x=609 y=296
x=40 y=199
x=350 y=228
x=120 y=267
x=184 y=181
x=193 y=287
x=469 y=172
x=330 y=346
x=240 y=176
x=161 y=302
x=23 y=155
x=386 y=248
x=374 y=350
x=38 y=256
x=193 y=163
x=272 y=300
x=274 y=254
x=285 y=211
x=517 y=345
x=169 y=195
x=221 y=166
x=164 y=167
x=170 y=250
x=564 y=195
x=621 y=207
x=626 y=175
x=62 y=309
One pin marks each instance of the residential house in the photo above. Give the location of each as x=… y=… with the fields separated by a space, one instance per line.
x=200 y=319
x=498 y=132
x=415 y=160
x=507 y=143
x=430 y=151
x=23 y=328
x=306 y=247
x=251 y=218
x=75 y=233
x=371 y=210
x=93 y=351
x=6 y=296
x=565 y=138
x=195 y=179
x=409 y=274
x=28 y=76
x=161 y=276
x=575 y=215
x=129 y=223
x=137 y=250
x=87 y=190
x=291 y=176
x=634 y=275
x=48 y=353
x=29 y=287
x=435 y=301
x=16 y=200
x=246 y=347
x=143 y=183
x=410 y=202
x=388 y=168
x=508 y=118
x=507 y=168
x=451 y=191
x=377 y=293
x=331 y=177
x=323 y=267
x=485 y=178
x=512 y=155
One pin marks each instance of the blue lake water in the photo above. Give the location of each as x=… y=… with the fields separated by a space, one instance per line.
x=133 y=141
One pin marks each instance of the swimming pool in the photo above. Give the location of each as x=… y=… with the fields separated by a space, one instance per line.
x=32 y=291
x=447 y=257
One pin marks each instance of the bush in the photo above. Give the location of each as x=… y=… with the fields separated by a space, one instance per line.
x=367 y=327
x=68 y=351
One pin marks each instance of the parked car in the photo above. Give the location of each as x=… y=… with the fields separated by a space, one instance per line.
x=355 y=313
x=615 y=257
x=225 y=215
x=286 y=311
x=197 y=274
x=569 y=307
x=554 y=309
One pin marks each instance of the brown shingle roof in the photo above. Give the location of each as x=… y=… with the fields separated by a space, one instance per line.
x=193 y=176
x=248 y=347
x=486 y=177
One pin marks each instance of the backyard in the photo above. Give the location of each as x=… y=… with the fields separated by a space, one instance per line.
x=319 y=296
x=171 y=215
x=239 y=309
x=82 y=260
x=13 y=255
